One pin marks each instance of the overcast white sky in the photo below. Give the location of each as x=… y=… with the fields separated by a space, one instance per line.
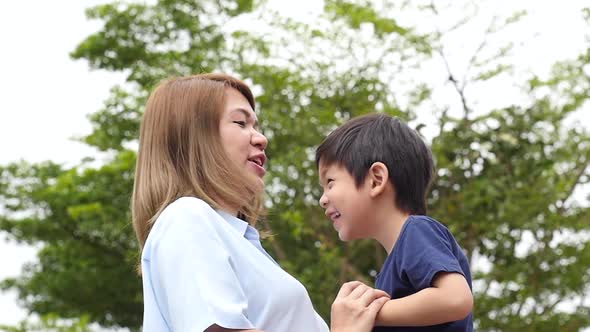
x=45 y=96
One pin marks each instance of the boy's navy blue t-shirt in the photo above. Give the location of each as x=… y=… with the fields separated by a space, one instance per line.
x=424 y=248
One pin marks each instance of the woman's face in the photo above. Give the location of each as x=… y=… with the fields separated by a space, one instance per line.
x=240 y=137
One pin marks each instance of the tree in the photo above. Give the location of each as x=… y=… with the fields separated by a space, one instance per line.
x=87 y=256
x=51 y=323
x=506 y=179
x=495 y=168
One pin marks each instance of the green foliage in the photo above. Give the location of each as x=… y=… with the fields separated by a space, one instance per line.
x=505 y=178
x=504 y=181
x=118 y=122
x=356 y=15
x=80 y=220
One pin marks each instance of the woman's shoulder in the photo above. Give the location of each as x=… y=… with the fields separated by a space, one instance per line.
x=188 y=215
x=188 y=205
x=185 y=226
x=188 y=208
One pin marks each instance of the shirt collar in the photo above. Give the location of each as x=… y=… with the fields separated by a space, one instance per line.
x=237 y=223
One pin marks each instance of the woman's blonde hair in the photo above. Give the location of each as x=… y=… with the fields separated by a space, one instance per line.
x=181 y=154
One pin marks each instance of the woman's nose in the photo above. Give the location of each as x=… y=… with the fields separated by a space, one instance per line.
x=259 y=140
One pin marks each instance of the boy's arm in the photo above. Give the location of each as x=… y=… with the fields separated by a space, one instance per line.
x=449 y=299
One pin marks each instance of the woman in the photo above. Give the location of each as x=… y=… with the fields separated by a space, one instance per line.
x=197 y=195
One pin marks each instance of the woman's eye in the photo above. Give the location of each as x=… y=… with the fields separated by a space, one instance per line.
x=241 y=123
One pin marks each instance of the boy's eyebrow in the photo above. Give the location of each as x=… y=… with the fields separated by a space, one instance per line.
x=247 y=114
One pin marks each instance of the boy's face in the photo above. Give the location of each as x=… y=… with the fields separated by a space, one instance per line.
x=348 y=207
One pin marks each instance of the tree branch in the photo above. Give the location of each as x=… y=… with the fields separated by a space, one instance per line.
x=581 y=170
x=459 y=88
x=278 y=250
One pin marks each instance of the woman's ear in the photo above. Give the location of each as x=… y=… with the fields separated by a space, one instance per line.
x=378 y=178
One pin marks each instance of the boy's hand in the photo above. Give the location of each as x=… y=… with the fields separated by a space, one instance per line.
x=356 y=307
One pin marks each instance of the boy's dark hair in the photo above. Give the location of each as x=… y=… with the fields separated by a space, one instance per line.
x=378 y=137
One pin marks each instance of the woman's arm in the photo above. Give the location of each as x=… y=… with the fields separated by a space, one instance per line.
x=353 y=310
x=449 y=299
x=355 y=307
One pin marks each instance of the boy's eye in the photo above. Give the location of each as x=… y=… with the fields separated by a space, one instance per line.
x=241 y=123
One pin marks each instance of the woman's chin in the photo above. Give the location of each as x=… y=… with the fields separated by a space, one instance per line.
x=260 y=184
x=256 y=169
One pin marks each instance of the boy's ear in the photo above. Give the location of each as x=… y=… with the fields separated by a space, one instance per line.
x=378 y=178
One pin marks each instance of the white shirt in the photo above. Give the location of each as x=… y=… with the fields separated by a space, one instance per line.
x=202 y=267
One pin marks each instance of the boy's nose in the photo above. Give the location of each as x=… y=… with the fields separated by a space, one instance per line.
x=323 y=201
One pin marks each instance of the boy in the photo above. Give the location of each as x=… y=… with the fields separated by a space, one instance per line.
x=375 y=172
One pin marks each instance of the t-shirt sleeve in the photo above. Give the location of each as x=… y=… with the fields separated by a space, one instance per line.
x=427 y=250
x=194 y=273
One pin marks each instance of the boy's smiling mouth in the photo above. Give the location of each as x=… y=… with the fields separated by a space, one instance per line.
x=333 y=215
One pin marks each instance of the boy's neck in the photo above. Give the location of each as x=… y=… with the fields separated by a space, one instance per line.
x=391 y=222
